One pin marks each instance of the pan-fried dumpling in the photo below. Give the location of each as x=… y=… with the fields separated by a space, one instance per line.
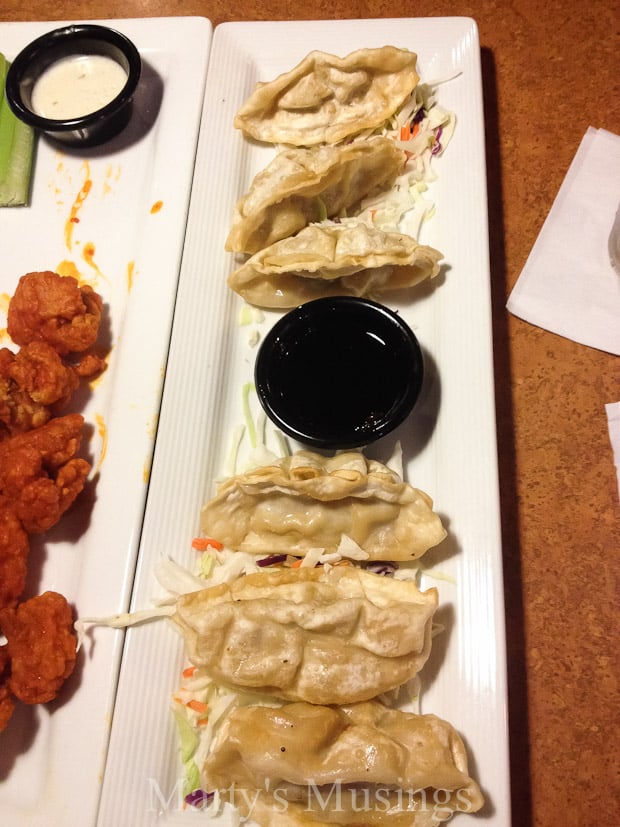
x=304 y=185
x=358 y=764
x=305 y=501
x=326 y=99
x=325 y=635
x=351 y=258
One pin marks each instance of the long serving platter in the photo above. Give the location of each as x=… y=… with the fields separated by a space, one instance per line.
x=449 y=444
x=113 y=216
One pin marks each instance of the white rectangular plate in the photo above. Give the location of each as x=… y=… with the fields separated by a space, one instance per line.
x=127 y=243
x=449 y=442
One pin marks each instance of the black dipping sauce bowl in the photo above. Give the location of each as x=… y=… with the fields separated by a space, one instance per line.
x=81 y=39
x=339 y=373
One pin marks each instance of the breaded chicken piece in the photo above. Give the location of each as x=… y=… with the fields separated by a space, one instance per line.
x=34 y=384
x=14 y=549
x=54 y=309
x=40 y=474
x=41 y=646
x=90 y=365
x=38 y=370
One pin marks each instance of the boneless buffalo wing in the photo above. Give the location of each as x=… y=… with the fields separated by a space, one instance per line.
x=41 y=647
x=14 y=549
x=34 y=382
x=40 y=477
x=51 y=317
x=55 y=309
x=54 y=321
x=40 y=474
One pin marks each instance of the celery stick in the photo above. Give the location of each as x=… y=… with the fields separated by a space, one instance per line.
x=16 y=151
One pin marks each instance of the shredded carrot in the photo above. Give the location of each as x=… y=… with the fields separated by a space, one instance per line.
x=416 y=129
x=197 y=706
x=203 y=543
x=296 y=564
x=405 y=132
x=372 y=214
x=189 y=672
x=202 y=721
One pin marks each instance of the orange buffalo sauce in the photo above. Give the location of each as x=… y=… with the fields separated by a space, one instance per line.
x=102 y=430
x=77 y=205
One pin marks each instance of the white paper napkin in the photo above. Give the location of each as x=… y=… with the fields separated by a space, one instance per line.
x=568 y=285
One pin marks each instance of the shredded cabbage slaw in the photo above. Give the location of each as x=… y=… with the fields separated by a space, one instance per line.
x=422 y=129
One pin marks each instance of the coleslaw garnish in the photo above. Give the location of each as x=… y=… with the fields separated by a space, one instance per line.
x=120 y=621
x=422 y=128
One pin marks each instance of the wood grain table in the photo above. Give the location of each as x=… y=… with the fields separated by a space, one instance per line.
x=550 y=70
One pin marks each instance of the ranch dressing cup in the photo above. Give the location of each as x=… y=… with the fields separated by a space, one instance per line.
x=76 y=84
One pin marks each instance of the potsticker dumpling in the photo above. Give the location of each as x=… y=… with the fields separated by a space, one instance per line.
x=301 y=186
x=331 y=259
x=325 y=635
x=326 y=99
x=361 y=764
x=306 y=501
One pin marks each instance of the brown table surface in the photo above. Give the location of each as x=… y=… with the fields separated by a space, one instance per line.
x=550 y=70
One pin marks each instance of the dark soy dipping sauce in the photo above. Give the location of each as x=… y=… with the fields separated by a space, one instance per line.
x=339 y=373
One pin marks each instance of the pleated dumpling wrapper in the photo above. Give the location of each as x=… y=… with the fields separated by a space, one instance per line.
x=325 y=98
x=331 y=259
x=301 y=186
x=358 y=764
x=326 y=635
x=306 y=501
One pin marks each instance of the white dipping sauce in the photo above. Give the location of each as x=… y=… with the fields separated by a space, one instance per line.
x=76 y=86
